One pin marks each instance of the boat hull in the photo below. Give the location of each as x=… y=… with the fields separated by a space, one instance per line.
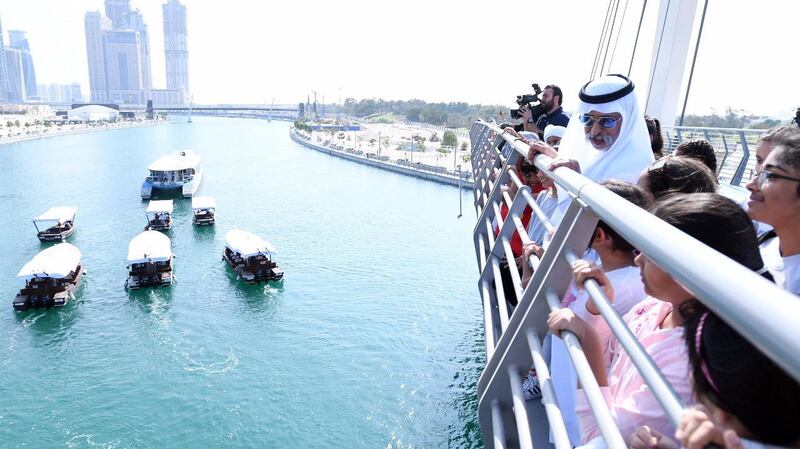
x=163 y=279
x=252 y=276
x=189 y=188
x=45 y=236
x=159 y=225
x=25 y=301
x=203 y=219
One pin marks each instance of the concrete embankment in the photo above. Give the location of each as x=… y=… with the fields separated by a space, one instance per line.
x=56 y=133
x=386 y=165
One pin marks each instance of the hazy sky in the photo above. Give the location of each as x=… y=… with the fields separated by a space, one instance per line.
x=249 y=51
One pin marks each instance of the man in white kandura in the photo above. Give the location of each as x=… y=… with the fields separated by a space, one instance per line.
x=607 y=136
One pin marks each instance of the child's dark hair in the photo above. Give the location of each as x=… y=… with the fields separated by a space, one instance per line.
x=632 y=193
x=656 y=140
x=786 y=146
x=675 y=174
x=699 y=149
x=717 y=222
x=732 y=374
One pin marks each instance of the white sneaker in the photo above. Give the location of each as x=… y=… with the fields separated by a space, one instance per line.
x=530 y=386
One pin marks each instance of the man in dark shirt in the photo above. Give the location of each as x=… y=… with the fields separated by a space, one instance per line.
x=554 y=114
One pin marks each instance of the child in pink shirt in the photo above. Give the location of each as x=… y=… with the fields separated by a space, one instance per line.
x=658 y=321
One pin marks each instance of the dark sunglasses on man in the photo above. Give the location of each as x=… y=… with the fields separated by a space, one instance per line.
x=605 y=121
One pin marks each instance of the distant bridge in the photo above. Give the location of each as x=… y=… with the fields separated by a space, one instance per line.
x=198 y=108
x=219 y=108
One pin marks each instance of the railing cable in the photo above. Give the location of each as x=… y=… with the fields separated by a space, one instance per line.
x=610 y=35
x=600 y=42
x=636 y=41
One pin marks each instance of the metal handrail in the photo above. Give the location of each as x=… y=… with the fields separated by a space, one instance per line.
x=770 y=322
x=732 y=144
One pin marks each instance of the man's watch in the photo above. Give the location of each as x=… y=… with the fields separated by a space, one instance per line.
x=531 y=121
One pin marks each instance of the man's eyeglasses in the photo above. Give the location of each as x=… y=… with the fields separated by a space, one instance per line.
x=763 y=175
x=657 y=166
x=605 y=122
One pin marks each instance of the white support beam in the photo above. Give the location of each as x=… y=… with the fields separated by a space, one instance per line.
x=670 y=53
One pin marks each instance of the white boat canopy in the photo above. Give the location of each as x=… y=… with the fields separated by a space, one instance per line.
x=149 y=246
x=157 y=206
x=59 y=214
x=55 y=262
x=203 y=202
x=247 y=244
x=181 y=160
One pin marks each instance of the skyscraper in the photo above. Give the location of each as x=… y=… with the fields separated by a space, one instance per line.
x=116 y=10
x=16 y=79
x=3 y=69
x=19 y=40
x=96 y=25
x=117 y=71
x=175 y=49
x=123 y=66
x=135 y=22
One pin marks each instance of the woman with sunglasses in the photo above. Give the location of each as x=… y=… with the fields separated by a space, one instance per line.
x=775 y=200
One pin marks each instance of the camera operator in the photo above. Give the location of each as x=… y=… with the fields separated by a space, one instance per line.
x=553 y=112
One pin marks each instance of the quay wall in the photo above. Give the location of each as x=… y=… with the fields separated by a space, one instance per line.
x=385 y=165
x=55 y=133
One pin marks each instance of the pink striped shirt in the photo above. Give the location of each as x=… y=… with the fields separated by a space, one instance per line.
x=630 y=400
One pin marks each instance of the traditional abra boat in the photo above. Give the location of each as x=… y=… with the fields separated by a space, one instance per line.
x=182 y=170
x=149 y=261
x=51 y=277
x=203 y=208
x=158 y=215
x=250 y=257
x=59 y=224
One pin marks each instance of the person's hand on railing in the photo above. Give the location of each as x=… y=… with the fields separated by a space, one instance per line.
x=540 y=147
x=647 y=438
x=569 y=163
x=510 y=130
x=529 y=249
x=697 y=430
x=582 y=271
x=511 y=188
x=565 y=320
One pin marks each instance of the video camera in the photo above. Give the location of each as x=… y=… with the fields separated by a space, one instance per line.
x=530 y=101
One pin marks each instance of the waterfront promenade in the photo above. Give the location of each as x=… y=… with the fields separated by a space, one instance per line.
x=419 y=170
x=22 y=134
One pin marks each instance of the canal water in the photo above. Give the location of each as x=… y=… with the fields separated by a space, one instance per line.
x=372 y=340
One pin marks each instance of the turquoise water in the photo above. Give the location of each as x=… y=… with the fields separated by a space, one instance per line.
x=373 y=339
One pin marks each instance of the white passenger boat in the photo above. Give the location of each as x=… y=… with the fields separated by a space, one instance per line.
x=203 y=210
x=51 y=277
x=149 y=260
x=159 y=215
x=250 y=257
x=182 y=170
x=58 y=223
